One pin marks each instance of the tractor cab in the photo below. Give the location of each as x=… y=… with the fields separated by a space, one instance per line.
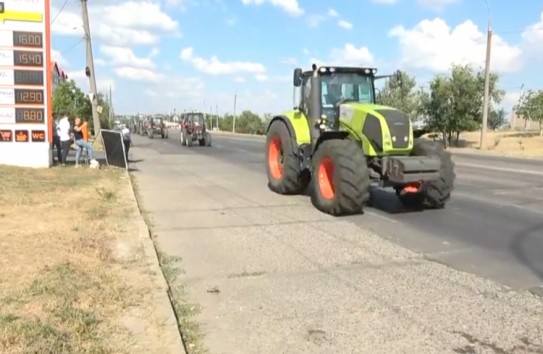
x=194 y=121
x=325 y=89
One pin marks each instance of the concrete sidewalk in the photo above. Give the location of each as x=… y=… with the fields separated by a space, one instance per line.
x=273 y=275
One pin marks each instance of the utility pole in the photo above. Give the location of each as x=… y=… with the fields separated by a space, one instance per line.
x=217 y=115
x=234 y=119
x=89 y=70
x=110 y=105
x=486 y=99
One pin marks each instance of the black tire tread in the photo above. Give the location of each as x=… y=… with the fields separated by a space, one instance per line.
x=436 y=193
x=294 y=181
x=352 y=178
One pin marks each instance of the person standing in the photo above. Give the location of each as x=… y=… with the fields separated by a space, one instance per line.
x=127 y=141
x=56 y=140
x=64 y=137
x=81 y=143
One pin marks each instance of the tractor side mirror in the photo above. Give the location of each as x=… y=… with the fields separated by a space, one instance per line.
x=297 y=77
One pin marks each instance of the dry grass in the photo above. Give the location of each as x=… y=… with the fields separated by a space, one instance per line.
x=503 y=143
x=62 y=289
x=510 y=143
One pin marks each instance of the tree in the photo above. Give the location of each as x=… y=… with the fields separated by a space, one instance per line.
x=496 y=118
x=401 y=95
x=68 y=97
x=454 y=103
x=531 y=107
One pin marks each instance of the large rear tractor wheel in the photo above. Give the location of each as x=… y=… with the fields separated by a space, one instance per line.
x=432 y=194
x=340 y=181
x=207 y=139
x=183 y=139
x=283 y=168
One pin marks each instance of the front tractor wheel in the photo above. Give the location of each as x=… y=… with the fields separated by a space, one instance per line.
x=283 y=168
x=340 y=182
x=432 y=194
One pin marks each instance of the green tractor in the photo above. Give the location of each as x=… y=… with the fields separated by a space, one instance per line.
x=338 y=142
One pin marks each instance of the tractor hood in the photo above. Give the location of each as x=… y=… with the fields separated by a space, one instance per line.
x=386 y=128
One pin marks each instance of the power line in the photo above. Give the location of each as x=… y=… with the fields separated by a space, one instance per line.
x=59 y=11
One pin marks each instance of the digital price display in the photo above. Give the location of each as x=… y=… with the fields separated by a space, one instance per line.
x=28 y=58
x=30 y=115
x=29 y=96
x=27 y=39
x=28 y=77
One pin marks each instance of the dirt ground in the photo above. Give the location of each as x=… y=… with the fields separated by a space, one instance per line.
x=503 y=143
x=74 y=275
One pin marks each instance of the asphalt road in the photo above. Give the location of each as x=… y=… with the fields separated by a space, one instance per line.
x=265 y=273
x=492 y=227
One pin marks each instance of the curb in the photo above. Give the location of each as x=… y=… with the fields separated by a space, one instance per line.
x=166 y=308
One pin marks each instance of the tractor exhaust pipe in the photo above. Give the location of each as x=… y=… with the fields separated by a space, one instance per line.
x=315 y=106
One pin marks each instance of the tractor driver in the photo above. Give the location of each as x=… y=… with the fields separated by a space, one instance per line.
x=333 y=95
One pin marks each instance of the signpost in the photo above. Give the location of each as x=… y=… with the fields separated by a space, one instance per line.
x=25 y=83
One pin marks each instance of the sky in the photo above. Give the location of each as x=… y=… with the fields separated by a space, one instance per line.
x=158 y=56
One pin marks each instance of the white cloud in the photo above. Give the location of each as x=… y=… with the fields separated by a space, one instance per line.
x=349 y=55
x=261 y=77
x=57 y=56
x=289 y=61
x=122 y=56
x=129 y=22
x=82 y=81
x=290 y=6
x=187 y=87
x=345 y=24
x=138 y=74
x=315 y=20
x=510 y=99
x=239 y=79
x=532 y=37
x=154 y=52
x=432 y=45
x=332 y=13
x=437 y=5
x=214 y=66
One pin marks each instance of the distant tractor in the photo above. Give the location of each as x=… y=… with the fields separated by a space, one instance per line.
x=157 y=126
x=193 y=129
x=338 y=143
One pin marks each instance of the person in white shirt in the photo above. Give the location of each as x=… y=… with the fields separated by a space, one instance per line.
x=64 y=131
x=127 y=140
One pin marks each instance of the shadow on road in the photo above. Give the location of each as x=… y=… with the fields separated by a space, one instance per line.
x=388 y=202
x=519 y=247
x=383 y=200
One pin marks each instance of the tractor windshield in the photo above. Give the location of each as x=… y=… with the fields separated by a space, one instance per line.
x=346 y=86
x=196 y=118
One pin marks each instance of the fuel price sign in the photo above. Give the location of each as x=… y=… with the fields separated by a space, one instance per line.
x=25 y=81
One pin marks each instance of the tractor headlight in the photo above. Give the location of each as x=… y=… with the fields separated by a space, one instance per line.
x=394 y=139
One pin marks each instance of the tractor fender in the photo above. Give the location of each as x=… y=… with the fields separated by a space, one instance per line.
x=339 y=135
x=290 y=129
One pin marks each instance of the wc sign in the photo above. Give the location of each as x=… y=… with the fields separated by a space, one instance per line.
x=38 y=136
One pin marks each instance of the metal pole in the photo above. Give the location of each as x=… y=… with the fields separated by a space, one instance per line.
x=234 y=120
x=90 y=72
x=217 y=115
